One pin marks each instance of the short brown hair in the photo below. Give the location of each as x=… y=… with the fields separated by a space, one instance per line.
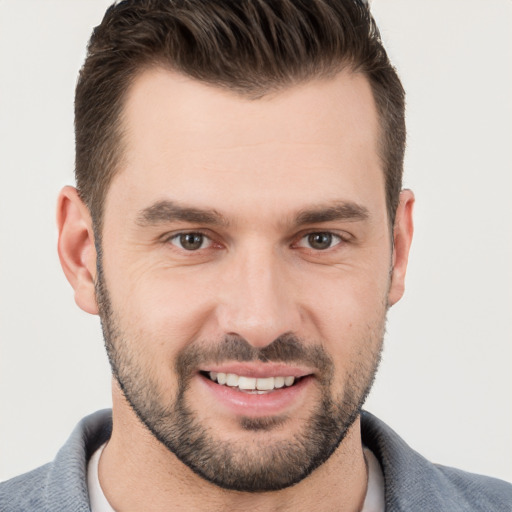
x=248 y=46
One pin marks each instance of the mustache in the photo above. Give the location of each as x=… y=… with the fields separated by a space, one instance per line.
x=287 y=348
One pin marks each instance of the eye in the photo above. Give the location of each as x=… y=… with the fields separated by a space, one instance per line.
x=319 y=241
x=191 y=241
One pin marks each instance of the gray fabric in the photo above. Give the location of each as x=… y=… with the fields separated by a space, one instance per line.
x=412 y=483
x=61 y=485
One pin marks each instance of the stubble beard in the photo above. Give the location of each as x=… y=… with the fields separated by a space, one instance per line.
x=256 y=464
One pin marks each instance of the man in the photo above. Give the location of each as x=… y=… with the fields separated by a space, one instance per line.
x=239 y=226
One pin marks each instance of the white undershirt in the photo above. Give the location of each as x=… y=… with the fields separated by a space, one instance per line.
x=97 y=499
x=374 y=501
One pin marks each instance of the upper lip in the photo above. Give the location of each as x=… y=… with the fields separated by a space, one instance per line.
x=259 y=370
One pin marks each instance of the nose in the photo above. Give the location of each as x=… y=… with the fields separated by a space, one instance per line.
x=259 y=298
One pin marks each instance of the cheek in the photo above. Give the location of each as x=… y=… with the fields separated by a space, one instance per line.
x=349 y=298
x=164 y=310
x=349 y=317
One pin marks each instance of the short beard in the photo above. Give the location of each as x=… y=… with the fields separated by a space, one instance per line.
x=255 y=464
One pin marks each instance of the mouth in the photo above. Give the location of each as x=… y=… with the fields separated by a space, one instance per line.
x=256 y=390
x=252 y=385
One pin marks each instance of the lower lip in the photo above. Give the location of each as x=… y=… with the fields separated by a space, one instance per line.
x=255 y=405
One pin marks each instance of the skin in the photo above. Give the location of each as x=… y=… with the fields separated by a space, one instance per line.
x=259 y=164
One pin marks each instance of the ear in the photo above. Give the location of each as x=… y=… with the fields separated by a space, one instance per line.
x=402 y=239
x=76 y=248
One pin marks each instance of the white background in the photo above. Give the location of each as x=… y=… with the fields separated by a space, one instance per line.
x=446 y=381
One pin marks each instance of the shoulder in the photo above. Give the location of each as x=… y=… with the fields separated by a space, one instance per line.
x=477 y=492
x=24 y=492
x=414 y=483
x=59 y=486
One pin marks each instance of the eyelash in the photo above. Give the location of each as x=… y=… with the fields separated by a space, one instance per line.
x=177 y=240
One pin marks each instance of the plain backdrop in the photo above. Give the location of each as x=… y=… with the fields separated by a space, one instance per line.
x=445 y=383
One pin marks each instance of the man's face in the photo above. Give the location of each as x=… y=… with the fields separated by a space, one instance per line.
x=246 y=272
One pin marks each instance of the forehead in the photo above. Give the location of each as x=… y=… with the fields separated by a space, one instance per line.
x=195 y=142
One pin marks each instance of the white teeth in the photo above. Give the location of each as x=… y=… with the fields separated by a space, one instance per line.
x=288 y=381
x=262 y=384
x=231 y=380
x=265 y=384
x=246 y=383
x=278 y=382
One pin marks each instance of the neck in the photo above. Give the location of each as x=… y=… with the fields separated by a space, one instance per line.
x=137 y=473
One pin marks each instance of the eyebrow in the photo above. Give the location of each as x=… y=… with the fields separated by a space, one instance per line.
x=340 y=210
x=170 y=211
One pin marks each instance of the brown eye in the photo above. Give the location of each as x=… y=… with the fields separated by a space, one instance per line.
x=320 y=241
x=190 y=241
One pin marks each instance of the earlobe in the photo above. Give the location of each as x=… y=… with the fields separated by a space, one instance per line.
x=76 y=247
x=402 y=238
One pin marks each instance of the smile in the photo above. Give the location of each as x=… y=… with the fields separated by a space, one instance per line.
x=259 y=385
x=256 y=390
